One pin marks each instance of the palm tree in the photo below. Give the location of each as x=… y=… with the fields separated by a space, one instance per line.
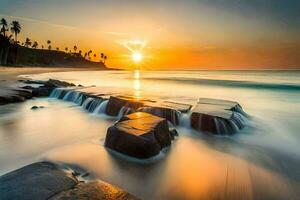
x=57 y=48
x=15 y=29
x=35 y=45
x=105 y=57
x=94 y=56
x=49 y=43
x=3 y=23
x=80 y=52
x=89 y=53
x=27 y=42
x=42 y=46
x=66 y=49
x=102 y=56
x=75 y=48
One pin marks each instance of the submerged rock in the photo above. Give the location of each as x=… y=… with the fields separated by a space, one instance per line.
x=44 y=180
x=37 y=107
x=139 y=135
x=217 y=116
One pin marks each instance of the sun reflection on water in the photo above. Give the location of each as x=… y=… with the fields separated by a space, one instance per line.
x=137 y=84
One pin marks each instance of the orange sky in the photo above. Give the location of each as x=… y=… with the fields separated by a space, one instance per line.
x=192 y=34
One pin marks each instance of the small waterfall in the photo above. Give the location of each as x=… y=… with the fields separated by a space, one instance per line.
x=56 y=93
x=185 y=120
x=71 y=96
x=87 y=102
x=94 y=104
x=124 y=111
x=79 y=99
x=101 y=108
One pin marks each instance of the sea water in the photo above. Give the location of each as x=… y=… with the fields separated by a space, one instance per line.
x=260 y=162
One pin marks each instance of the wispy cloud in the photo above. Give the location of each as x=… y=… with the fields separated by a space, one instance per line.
x=59 y=25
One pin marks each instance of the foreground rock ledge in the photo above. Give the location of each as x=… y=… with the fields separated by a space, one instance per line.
x=139 y=135
x=44 y=180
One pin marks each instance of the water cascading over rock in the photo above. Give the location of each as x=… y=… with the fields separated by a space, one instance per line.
x=220 y=117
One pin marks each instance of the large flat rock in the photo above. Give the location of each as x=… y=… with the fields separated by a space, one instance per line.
x=217 y=116
x=44 y=180
x=139 y=135
x=166 y=109
x=97 y=190
x=36 y=181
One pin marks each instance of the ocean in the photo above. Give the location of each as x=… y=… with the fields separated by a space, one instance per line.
x=259 y=162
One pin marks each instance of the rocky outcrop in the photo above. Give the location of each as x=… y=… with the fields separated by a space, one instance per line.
x=13 y=95
x=19 y=93
x=139 y=135
x=44 y=180
x=217 y=116
x=48 y=86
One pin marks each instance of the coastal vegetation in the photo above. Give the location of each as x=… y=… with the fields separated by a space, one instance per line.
x=32 y=52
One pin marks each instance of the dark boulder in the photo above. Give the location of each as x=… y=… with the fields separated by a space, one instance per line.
x=139 y=135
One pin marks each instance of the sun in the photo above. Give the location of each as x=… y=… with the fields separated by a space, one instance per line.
x=137 y=56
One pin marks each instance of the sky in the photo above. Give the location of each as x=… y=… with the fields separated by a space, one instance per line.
x=170 y=34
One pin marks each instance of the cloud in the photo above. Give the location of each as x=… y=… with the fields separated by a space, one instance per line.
x=59 y=25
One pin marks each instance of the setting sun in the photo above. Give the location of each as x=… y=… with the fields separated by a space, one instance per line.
x=137 y=56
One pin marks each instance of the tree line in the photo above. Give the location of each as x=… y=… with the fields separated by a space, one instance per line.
x=15 y=29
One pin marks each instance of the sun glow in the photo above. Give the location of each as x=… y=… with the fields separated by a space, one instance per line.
x=137 y=56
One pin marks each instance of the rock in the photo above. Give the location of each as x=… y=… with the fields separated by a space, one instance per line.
x=36 y=107
x=97 y=190
x=116 y=103
x=32 y=81
x=139 y=135
x=217 y=116
x=173 y=133
x=28 y=87
x=42 y=91
x=40 y=180
x=52 y=83
x=44 y=180
x=13 y=95
x=166 y=109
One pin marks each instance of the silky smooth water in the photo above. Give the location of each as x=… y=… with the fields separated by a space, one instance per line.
x=260 y=162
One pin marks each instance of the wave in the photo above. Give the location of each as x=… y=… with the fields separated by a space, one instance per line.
x=231 y=83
